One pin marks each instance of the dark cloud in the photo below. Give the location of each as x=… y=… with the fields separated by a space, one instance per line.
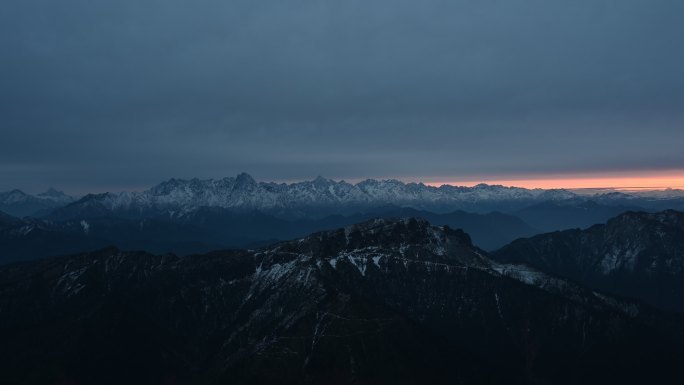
x=99 y=94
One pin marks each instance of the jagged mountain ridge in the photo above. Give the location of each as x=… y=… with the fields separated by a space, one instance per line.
x=385 y=301
x=636 y=254
x=322 y=195
x=20 y=204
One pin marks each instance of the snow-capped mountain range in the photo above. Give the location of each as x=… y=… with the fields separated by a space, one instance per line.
x=321 y=196
x=243 y=192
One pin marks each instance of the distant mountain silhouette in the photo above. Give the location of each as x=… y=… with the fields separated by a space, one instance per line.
x=208 y=228
x=20 y=204
x=570 y=214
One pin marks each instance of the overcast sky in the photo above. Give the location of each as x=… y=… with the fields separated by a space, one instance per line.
x=100 y=95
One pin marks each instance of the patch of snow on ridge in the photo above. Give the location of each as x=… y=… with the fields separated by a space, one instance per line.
x=333 y=262
x=86 y=226
x=359 y=262
x=275 y=271
x=26 y=230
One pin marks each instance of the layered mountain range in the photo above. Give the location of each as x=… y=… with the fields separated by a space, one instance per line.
x=382 y=302
x=193 y=216
x=207 y=229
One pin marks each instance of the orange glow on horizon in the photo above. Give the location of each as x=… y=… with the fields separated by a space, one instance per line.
x=610 y=182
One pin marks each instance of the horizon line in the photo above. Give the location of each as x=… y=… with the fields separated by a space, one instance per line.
x=587 y=183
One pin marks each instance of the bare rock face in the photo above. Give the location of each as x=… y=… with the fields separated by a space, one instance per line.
x=635 y=254
x=385 y=301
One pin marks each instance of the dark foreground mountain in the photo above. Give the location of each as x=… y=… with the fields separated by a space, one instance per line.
x=382 y=302
x=636 y=254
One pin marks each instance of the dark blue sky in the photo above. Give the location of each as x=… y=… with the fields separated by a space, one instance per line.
x=100 y=95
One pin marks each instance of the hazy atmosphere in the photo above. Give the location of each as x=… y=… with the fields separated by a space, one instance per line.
x=111 y=95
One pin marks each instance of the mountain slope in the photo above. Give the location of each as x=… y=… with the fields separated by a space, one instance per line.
x=635 y=254
x=386 y=301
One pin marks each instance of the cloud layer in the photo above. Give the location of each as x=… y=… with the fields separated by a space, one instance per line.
x=115 y=94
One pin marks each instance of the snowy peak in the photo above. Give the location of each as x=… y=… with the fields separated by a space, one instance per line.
x=244 y=179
